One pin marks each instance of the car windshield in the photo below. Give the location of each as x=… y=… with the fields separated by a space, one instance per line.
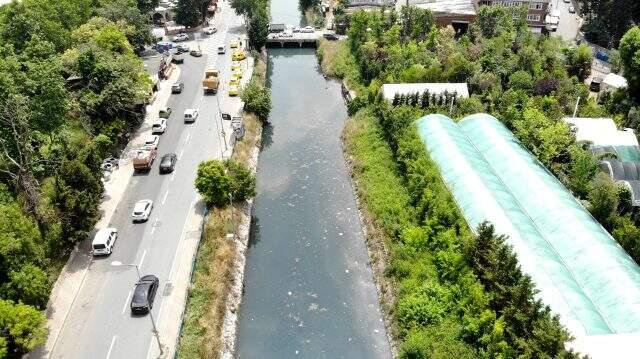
x=140 y=294
x=99 y=246
x=139 y=208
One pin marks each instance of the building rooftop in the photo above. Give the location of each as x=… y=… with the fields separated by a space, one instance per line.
x=458 y=7
x=582 y=273
x=615 y=81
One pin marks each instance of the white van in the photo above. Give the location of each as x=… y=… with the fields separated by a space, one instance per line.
x=190 y=115
x=221 y=49
x=104 y=241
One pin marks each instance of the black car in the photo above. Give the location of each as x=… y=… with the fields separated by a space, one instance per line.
x=144 y=294
x=168 y=163
x=177 y=87
x=330 y=36
x=180 y=48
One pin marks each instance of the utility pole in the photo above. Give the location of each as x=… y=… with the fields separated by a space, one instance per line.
x=224 y=136
x=233 y=223
x=575 y=109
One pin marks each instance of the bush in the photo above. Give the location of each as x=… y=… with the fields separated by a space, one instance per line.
x=217 y=181
x=257 y=99
x=436 y=342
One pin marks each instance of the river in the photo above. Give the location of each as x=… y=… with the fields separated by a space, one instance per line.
x=309 y=290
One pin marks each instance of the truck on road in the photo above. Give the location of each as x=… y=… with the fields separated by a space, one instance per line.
x=211 y=81
x=144 y=159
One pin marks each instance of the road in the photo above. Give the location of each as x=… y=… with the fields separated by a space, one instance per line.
x=569 y=23
x=99 y=324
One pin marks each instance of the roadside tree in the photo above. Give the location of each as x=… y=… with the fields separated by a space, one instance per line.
x=257 y=99
x=220 y=181
x=630 y=56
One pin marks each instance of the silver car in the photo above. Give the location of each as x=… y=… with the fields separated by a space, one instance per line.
x=142 y=210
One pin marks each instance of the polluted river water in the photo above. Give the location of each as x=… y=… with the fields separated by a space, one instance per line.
x=309 y=291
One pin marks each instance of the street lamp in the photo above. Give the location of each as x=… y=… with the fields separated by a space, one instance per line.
x=153 y=322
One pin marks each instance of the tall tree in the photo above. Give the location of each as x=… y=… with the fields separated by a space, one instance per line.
x=630 y=56
x=188 y=12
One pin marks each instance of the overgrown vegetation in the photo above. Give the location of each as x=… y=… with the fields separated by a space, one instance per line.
x=257 y=99
x=222 y=182
x=255 y=12
x=443 y=286
x=213 y=273
x=607 y=20
x=71 y=89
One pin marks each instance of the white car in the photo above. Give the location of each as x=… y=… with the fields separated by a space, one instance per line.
x=296 y=29
x=159 y=126
x=308 y=29
x=286 y=33
x=142 y=210
x=104 y=241
x=151 y=142
x=180 y=37
x=190 y=115
x=210 y=30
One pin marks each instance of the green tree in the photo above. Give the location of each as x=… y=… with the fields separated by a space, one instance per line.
x=579 y=61
x=217 y=181
x=257 y=99
x=630 y=56
x=547 y=139
x=582 y=170
x=136 y=24
x=22 y=328
x=258 y=26
x=243 y=7
x=188 y=13
x=146 y=6
x=603 y=200
x=436 y=342
x=29 y=285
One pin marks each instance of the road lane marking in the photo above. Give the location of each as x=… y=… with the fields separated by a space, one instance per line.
x=188 y=137
x=150 y=346
x=181 y=153
x=173 y=175
x=165 y=197
x=113 y=341
x=124 y=307
x=142 y=259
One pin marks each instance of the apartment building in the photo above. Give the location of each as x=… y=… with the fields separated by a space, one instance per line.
x=537 y=9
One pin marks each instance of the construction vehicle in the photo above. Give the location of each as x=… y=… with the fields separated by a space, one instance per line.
x=144 y=158
x=211 y=81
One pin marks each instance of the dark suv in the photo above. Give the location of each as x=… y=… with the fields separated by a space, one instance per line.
x=144 y=294
x=177 y=87
x=168 y=163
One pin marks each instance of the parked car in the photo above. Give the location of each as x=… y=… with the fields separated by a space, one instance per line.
x=164 y=112
x=221 y=49
x=233 y=90
x=233 y=44
x=236 y=65
x=142 y=210
x=286 y=33
x=190 y=115
x=566 y=1
x=308 y=29
x=103 y=241
x=110 y=164
x=296 y=29
x=168 y=163
x=210 y=30
x=572 y=9
x=238 y=56
x=595 y=84
x=330 y=36
x=159 y=126
x=144 y=294
x=177 y=87
x=180 y=37
x=151 y=142
x=180 y=48
x=195 y=53
x=237 y=74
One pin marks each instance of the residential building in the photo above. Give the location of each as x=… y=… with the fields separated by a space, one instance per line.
x=456 y=13
x=538 y=9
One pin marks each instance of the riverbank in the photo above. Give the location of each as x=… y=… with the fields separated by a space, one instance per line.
x=210 y=321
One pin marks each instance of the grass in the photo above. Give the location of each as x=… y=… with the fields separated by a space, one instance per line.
x=383 y=201
x=213 y=275
x=337 y=61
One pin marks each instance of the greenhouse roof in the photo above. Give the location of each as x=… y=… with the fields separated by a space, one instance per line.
x=580 y=270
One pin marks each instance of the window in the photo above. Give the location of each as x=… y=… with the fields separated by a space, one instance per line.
x=533 y=17
x=535 y=6
x=486 y=2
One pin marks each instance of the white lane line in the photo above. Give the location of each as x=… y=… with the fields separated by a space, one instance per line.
x=142 y=259
x=124 y=307
x=165 y=197
x=150 y=346
x=173 y=175
x=181 y=153
x=188 y=137
x=182 y=235
x=113 y=341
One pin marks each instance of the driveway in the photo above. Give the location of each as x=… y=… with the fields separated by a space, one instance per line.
x=569 y=23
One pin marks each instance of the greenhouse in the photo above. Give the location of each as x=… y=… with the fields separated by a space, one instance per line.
x=580 y=270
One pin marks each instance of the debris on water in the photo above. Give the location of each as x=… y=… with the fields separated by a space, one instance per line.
x=289 y=293
x=340 y=233
x=313 y=307
x=346 y=271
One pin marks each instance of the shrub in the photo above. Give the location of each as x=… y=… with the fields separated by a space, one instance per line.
x=217 y=181
x=257 y=99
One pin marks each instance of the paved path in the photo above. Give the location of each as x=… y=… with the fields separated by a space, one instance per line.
x=89 y=313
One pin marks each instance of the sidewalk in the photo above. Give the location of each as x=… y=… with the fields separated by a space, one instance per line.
x=74 y=272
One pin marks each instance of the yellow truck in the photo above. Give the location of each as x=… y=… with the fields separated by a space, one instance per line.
x=211 y=81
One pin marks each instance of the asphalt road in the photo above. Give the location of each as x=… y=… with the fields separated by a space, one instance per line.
x=99 y=324
x=569 y=23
